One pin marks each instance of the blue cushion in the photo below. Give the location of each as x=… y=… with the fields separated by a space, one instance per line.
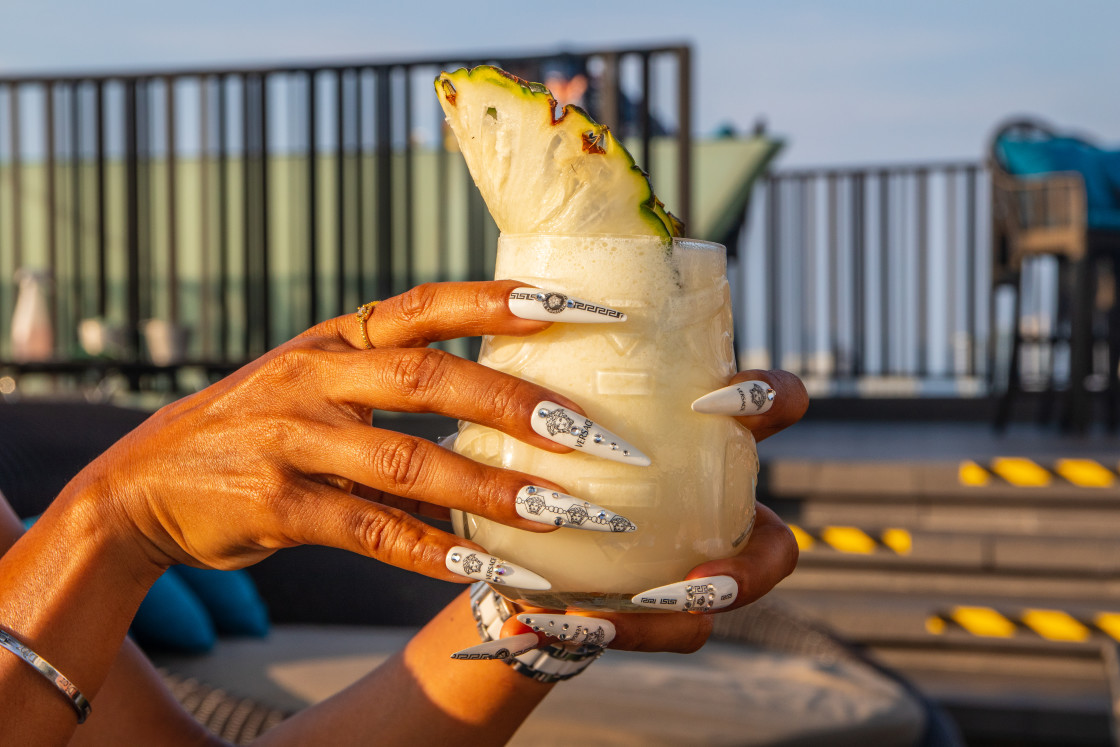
x=172 y=616
x=230 y=597
x=1105 y=220
x=1099 y=168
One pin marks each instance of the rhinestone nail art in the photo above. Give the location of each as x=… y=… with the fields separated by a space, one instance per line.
x=575 y=431
x=571 y=628
x=711 y=593
x=484 y=567
x=552 y=507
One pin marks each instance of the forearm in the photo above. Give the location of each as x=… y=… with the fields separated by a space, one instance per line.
x=68 y=590
x=423 y=690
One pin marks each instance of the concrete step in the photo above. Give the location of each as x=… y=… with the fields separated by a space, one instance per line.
x=809 y=577
x=1008 y=669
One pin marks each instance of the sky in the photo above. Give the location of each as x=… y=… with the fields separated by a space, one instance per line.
x=843 y=83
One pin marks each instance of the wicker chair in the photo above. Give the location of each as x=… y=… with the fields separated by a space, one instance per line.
x=1053 y=214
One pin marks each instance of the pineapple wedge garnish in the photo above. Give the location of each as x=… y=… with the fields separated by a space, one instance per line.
x=540 y=171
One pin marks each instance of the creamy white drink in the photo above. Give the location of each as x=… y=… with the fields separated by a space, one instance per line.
x=636 y=378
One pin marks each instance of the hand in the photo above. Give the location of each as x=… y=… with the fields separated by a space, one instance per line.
x=769 y=556
x=282 y=452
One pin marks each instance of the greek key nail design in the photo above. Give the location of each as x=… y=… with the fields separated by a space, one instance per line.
x=578 y=432
x=554 y=508
x=571 y=628
x=500 y=648
x=484 y=567
x=710 y=593
x=550 y=306
x=744 y=398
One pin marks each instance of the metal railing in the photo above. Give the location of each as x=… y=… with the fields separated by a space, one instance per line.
x=247 y=204
x=871 y=279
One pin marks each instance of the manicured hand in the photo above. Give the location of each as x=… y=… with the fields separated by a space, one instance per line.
x=282 y=452
x=714 y=586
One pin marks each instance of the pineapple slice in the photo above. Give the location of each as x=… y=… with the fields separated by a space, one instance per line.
x=540 y=172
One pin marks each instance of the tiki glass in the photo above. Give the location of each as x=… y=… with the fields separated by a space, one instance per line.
x=637 y=378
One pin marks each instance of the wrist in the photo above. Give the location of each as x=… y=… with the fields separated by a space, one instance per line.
x=554 y=662
x=91 y=518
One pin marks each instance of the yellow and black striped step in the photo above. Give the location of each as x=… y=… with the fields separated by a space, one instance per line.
x=1022 y=472
x=853 y=540
x=1047 y=624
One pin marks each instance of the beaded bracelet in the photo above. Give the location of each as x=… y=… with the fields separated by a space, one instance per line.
x=551 y=663
x=72 y=694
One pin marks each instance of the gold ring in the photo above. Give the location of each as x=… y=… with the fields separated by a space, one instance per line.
x=364 y=313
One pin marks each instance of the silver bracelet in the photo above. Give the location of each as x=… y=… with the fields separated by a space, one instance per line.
x=551 y=663
x=72 y=694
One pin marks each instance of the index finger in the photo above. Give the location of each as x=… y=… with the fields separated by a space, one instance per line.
x=444 y=311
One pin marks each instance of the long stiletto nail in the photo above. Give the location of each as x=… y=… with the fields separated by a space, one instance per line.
x=710 y=593
x=578 y=432
x=744 y=398
x=550 y=306
x=571 y=628
x=501 y=648
x=483 y=567
x=554 y=508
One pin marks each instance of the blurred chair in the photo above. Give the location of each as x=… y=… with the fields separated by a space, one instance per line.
x=1058 y=195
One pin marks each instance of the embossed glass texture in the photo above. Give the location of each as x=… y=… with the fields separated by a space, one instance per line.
x=638 y=379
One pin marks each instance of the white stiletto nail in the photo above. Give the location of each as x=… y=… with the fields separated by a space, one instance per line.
x=550 y=306
x=571 y=628
x=578 y=432
x=744 y=398
x=710 y=593
x=554 y=508
x=501 y=648
x=483 y=567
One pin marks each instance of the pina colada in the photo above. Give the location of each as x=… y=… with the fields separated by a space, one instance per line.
x=636 y=378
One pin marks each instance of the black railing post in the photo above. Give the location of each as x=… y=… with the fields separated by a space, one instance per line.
x=312 y=198
x=858 y=280
x=806 y=187
x=51 y=213
x=224 y=334
x=132 y=219
x=77 y=289
x=972 y=280
x=16 y=166
x=267 y=337
x=102 y=202
x=205 y=316
x=684 y=134
x=385 y=280
x=340 y=191
x=922 y=267
x=774 y=268
x=173 y=290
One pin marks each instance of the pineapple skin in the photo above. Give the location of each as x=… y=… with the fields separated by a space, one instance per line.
x=549 y=171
